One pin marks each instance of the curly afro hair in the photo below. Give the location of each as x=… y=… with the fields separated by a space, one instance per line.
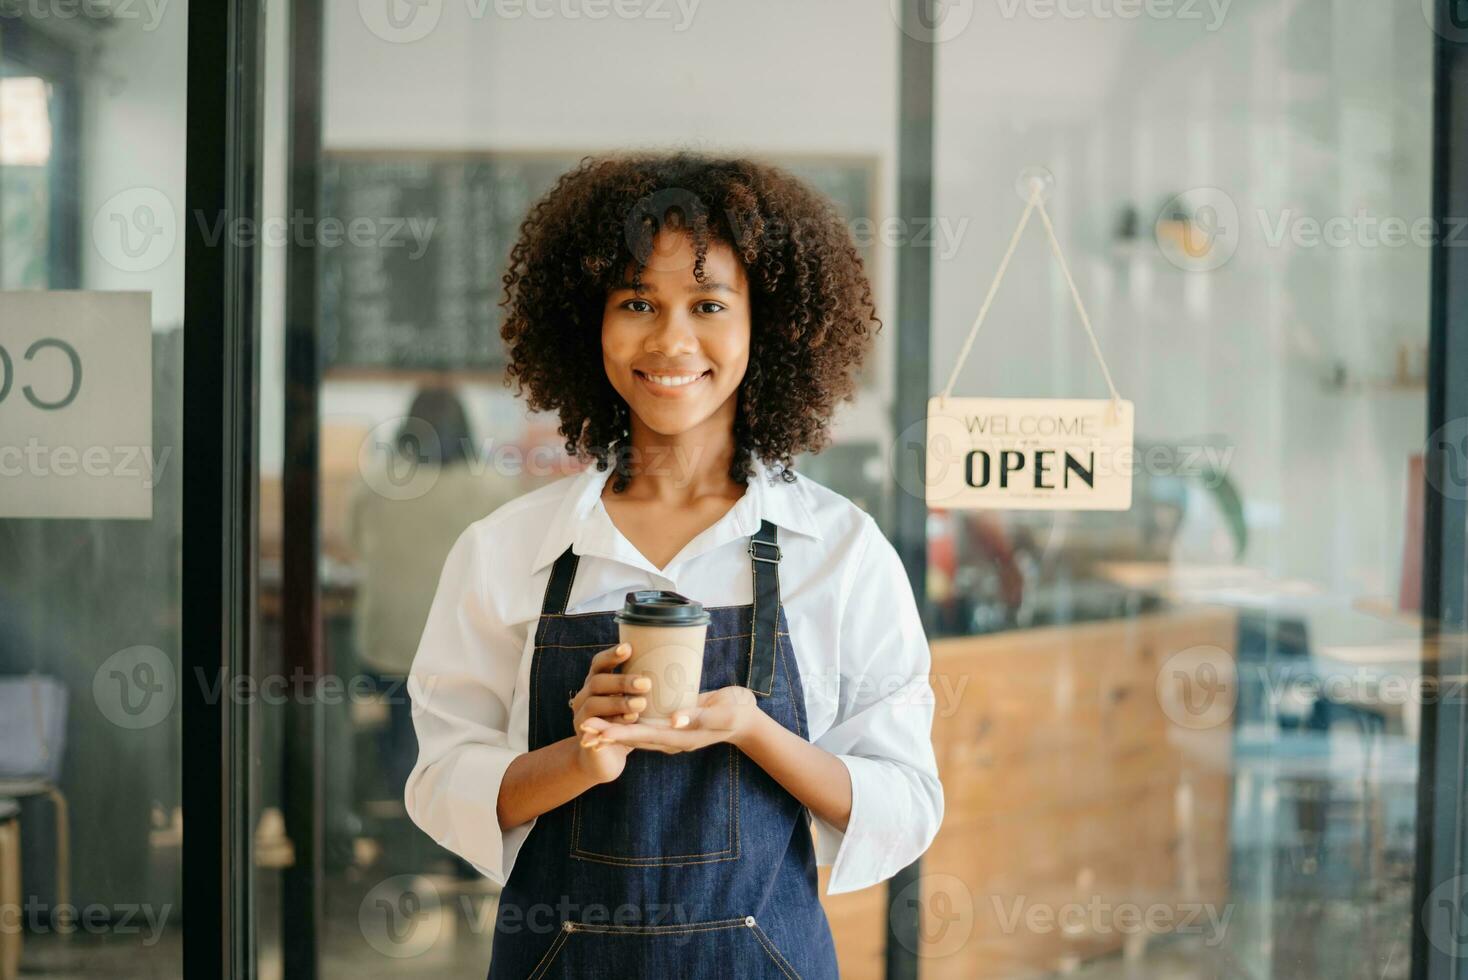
x=812 y=316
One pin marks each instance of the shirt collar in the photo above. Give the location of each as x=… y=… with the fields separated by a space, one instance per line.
x=579 y=521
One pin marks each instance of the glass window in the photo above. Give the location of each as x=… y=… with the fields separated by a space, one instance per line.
x=92 y=144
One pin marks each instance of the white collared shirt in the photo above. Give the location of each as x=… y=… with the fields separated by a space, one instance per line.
x=854 y=625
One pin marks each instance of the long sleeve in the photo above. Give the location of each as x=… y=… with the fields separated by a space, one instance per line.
x=883 y=726
x=461 y=685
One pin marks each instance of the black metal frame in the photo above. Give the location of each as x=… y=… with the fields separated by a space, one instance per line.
x=302 y=644
x=1442 y=785
x=915 y=96
x=220 y=477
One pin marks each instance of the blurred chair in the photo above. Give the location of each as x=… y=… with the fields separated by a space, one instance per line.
x=10 y=931
x=32 y=742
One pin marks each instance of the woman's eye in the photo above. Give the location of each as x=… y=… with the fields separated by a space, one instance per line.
x=709 y=306
x=637 y=306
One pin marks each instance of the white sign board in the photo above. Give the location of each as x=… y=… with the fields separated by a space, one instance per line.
x=76 y=405
x=1029 y=454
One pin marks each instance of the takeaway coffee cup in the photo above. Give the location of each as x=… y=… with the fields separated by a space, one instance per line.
x=667 y=633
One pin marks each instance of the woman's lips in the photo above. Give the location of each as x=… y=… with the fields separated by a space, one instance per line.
x=670 y=391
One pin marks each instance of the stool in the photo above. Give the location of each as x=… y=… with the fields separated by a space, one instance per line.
x=18 y=788
x=10 y=913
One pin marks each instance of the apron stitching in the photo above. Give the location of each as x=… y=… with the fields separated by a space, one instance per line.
x=650 y=862
x=753 y=629
x=733 y=797
x=714 y=925
x=776 y=639
x=729 y=853
x=550 y=955
x=780 y=962
x=790 y=686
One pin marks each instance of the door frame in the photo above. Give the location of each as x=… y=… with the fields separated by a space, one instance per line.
x=1442 y=780
x=220 y=481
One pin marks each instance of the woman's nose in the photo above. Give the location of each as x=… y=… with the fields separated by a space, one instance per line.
x=673 y=334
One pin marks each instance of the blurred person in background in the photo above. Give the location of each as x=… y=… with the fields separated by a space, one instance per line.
x=402 y=525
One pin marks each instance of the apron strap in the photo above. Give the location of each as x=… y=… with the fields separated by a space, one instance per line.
x=558 y=589
x=764 y=555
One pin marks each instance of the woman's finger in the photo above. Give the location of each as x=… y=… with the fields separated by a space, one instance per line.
x=651 y=737
x=608 y=705
x=609 y=659
x=618 y=684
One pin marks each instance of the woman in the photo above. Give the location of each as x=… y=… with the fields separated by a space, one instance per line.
x=694 y=322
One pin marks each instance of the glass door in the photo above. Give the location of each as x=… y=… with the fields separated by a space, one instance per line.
x=92 y=476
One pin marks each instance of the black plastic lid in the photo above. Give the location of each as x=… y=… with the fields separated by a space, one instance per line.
x=658 y=607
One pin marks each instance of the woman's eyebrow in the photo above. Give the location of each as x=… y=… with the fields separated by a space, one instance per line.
x=712 y=287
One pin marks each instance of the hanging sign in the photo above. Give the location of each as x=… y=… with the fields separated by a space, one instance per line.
x=76 y=405
x=1029 y=453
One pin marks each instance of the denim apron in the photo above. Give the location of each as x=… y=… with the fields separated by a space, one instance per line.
x=695 y=864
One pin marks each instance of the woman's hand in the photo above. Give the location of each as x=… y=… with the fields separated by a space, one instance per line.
x=729 y=714
x=607 y=697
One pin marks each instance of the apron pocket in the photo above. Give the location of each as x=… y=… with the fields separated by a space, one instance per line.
x=735 y=949
x=663 y=810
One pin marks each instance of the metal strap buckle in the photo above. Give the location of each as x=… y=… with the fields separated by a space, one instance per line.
x=758 y=557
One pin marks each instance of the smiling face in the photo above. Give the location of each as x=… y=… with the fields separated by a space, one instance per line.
x=676 y=350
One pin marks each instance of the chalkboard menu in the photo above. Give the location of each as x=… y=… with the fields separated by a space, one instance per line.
x=416 y=285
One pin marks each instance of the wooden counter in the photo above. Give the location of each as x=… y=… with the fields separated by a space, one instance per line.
x=1080 y=778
